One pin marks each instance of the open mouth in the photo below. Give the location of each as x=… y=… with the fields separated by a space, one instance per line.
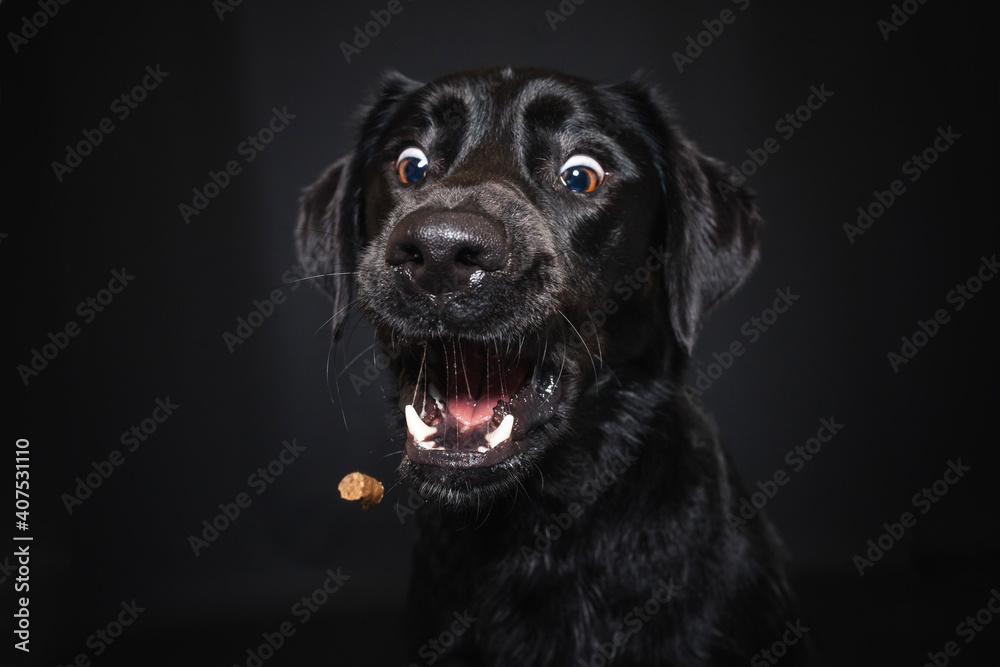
x=470 y=404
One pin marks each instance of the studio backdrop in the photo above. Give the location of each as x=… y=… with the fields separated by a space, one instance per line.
x=184 y=419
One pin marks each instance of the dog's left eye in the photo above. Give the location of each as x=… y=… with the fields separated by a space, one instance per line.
x=581 y=173
x=411 y=165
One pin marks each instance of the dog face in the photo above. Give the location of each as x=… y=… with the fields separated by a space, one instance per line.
x=524 y=239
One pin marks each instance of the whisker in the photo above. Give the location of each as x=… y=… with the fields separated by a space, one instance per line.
x=585 y=346
x=562 y=363
x=338 y=402
x=451 y=370
x=541 y=475
x=392 y=488
x=327 y=321
x=334 y=316
x=326 y=232
x=503 y=389
x=420 y=373
x=353 y=302
x=526 y=494
x=489 y=511
x=349 y=338
x=545 y=350
x=597 y=336
x=486 y=353
x=355 y=360
x=465 y=371
x=615 y=376
x=374 y=364
x=323 y=275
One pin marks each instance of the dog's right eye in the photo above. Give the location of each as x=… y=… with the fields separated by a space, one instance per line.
x=411 y=165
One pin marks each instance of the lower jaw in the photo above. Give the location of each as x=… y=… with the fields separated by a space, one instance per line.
x=470 y=481
x=449 y=458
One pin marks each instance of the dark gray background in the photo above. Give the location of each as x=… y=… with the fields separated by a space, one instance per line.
x=163 y=335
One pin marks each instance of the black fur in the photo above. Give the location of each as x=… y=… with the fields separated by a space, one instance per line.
x=619 y=492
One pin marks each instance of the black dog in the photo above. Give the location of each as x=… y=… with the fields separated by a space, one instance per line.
x=541 y=252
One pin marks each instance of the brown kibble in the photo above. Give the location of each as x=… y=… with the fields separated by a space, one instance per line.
x=357 y=486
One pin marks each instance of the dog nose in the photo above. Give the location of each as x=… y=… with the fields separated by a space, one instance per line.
x=440 y=251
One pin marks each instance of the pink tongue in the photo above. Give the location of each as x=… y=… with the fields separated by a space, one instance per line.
x=472 y=412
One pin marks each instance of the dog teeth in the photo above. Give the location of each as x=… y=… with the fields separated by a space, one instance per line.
x=482 y=449
x=501 y=433
x=436 y=395
x=417 y=428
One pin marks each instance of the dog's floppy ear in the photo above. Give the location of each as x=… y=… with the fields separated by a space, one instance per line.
x=712 y=230
x=330 y=230
x=326 y=234
x=711 y=221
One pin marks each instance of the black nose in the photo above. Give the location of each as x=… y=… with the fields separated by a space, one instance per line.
x=440 y=251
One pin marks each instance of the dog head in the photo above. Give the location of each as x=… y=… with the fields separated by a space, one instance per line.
x=520 y=239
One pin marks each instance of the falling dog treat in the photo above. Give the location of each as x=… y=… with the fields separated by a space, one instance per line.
x=357 y=486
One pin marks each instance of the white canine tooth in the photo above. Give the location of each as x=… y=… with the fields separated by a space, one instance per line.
x=417 y=428
x=501 y=433
x=482 y=448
